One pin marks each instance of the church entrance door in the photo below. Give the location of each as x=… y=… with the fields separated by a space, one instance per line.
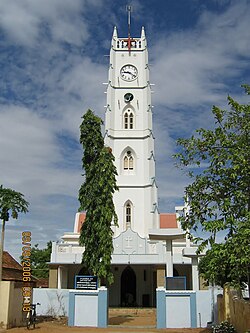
x=128 y=287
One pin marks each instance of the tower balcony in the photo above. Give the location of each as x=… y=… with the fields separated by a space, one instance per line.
x=128 y=43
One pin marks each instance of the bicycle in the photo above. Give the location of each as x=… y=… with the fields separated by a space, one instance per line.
x=31 y=316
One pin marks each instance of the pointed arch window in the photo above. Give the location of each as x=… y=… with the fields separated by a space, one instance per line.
x=125 y=163
x=128 y=215
x=128 y=161
x=128 y=119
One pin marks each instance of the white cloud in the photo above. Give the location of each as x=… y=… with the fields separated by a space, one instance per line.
x=192 y=70
x=32 y=162
x=17 y=22
x=30 y=155
x=23 y=20
x=192 y=67
x=27 y=138
x=85 y=79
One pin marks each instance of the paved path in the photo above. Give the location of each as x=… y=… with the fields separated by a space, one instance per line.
x=121 y=320
x=55 y=328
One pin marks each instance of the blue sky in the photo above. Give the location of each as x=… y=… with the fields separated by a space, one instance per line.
x=52 y=66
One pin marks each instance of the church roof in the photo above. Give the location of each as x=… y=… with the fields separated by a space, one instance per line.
x=10 y=262
x=168 y=220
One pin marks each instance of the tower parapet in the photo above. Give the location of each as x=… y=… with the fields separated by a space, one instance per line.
x=129 y=43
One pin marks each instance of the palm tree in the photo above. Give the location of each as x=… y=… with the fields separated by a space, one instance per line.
x=11 y=202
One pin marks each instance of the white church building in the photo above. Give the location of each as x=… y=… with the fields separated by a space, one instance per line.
x=149 y=247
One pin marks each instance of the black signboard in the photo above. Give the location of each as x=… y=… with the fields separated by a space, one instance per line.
x=86 y=282
x=176 y=283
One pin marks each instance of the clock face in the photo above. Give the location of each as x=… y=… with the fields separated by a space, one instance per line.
x=128 y=72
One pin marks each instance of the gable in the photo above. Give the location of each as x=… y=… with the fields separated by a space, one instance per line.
x=129 y=242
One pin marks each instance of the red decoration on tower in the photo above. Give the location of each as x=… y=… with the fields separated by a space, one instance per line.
x=129 y=43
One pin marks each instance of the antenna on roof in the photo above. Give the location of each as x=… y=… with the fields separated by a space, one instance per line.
x=129 y=10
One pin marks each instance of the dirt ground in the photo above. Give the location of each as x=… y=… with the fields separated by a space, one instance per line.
x=120 y=320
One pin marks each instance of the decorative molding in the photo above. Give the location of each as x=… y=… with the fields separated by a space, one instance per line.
x=129 y=242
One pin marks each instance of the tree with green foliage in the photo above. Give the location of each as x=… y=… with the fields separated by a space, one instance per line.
x=39 y=259
x=96 y=198
x=11 y=203
x=228 y=262
x=218 y=162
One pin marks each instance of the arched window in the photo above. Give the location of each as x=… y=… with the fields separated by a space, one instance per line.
x=128 y=215
x=128 y=119
x=131 y=163
x=125 y=162
x=128 y=161
x=131 y=121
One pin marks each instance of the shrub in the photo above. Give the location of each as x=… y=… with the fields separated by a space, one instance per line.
x=224 y=327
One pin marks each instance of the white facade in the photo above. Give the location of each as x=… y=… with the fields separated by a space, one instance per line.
x=128 y=125
x=147 y=245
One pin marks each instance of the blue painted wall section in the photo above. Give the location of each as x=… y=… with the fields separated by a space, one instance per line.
x=193 y=312
x=161 y=307
x=71 y=311
x=161 y=300
x=102 y=315
x=102 y=307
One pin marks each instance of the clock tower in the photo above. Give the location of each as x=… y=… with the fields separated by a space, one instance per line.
x=128 y=125
x=147 y=246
